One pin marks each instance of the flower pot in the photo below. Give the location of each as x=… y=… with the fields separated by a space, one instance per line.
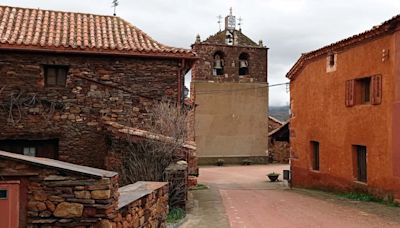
x=273 y=177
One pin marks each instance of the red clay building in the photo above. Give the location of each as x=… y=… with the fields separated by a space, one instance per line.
x=345 y=124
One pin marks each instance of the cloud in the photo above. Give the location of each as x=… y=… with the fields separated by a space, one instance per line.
x=287 y=27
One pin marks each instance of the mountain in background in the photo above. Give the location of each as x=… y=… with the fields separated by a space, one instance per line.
x=279 y=112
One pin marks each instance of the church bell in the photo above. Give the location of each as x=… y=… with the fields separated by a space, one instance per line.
x=218 y=64
x=243 y=64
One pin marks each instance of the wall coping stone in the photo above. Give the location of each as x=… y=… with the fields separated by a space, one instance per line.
x=133 y=192
x=65 y=166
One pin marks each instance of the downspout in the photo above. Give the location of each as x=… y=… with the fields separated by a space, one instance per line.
x=180 y=81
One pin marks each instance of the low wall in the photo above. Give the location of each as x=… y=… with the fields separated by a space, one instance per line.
x=59 y=194
x=143 y=204
x=51 y=197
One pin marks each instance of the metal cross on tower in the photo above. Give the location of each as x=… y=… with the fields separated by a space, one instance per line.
x=219 y=21
x=240 y=22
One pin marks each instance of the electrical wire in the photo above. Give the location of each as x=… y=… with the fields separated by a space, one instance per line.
x=234 y=90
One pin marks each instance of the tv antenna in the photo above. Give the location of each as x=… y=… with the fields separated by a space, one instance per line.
x=115 y=3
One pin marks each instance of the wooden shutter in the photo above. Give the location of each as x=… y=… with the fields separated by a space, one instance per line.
x=376 y=89
x=349 y=93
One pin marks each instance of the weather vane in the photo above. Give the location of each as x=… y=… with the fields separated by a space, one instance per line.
x=115 y=3
x=219 y=21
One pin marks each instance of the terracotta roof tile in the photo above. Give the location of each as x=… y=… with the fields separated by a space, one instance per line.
x=36 y=29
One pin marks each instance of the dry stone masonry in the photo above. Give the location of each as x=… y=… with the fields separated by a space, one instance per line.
x=59 y=194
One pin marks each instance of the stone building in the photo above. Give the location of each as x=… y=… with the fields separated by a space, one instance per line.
x=278 y=141
x=64 y=74
x=345 y=105
x=229 y=88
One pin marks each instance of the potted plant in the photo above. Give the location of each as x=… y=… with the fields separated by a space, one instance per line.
x=247 y=162
x=220 y=162
x=273 y=176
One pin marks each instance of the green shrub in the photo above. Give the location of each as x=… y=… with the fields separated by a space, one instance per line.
x=175 y=214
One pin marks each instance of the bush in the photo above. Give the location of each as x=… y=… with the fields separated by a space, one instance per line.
x=220 y=162
x=175 y=214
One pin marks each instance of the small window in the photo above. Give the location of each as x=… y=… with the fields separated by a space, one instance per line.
x=315 y=155
x=360 y=163
x=363 y=90
x=331 y=62
x=55 y=76
x=3 y=194
x=30 y=151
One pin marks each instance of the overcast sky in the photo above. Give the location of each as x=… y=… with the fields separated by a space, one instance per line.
x=287 y=27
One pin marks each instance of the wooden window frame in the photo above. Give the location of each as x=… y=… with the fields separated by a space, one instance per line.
x=58 y=69
x=356 y=92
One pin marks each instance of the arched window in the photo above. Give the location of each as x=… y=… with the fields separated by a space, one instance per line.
x=243 y=64
x=218 y=66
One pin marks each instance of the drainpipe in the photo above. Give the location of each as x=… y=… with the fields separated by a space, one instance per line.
x=180 y=82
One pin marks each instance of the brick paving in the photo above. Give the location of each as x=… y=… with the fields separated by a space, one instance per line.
x=249 y=201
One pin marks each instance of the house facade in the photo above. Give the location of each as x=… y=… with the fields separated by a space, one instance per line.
x=344 y=128
x=230 y=92
x=64 y=74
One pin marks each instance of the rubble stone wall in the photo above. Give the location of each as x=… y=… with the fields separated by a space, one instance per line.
x=54 y=198
x=148 y=211
x=98 y=88
x=204 y=66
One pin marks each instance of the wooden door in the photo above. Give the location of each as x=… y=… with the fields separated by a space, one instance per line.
x=9 y=204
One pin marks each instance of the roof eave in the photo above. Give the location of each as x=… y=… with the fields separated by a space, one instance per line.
x=168 y=55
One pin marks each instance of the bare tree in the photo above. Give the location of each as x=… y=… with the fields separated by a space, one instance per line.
x=146 y=159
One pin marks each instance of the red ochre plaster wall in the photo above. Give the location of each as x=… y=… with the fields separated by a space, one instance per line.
x=319 y=114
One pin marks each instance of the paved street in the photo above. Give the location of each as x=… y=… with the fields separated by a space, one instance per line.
x=240 y=197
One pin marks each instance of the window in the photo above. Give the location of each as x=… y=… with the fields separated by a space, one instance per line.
x=244 y=64
x=30 y=151
x=367 y=90
x=331 y=62
x=39 y=148
x=218 y=68
x=315 y=155
x=363 y=88
x=55 y=75
x=360 y=155
x=3 y=194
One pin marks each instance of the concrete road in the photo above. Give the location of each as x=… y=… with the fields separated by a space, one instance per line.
x=240 y=197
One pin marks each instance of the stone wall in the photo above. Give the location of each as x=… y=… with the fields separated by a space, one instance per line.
x=56 y=198
x=177 y=177
x=50 y=197
x=147 y=206
x=98 y=88
x=203 y=67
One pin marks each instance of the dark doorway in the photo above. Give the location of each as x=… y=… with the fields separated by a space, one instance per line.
x=361 y=163
x=36 y=148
